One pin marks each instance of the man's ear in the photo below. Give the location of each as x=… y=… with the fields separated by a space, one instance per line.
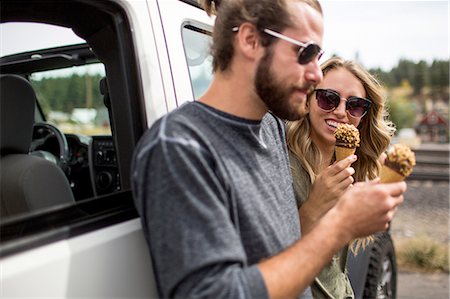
x=248 y=40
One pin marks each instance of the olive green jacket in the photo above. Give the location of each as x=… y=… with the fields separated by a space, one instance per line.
x=332 y=282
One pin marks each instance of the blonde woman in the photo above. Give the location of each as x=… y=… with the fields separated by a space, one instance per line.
x=347 y=94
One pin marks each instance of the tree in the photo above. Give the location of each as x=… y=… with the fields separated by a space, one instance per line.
x=402 y=113
x=439 y=77
x=419 y=77
x=404 y=70
x=66 y=93
x=385 y=78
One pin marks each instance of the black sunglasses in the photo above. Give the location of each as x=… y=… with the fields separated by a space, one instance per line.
x=307 y=52
x=328 y=100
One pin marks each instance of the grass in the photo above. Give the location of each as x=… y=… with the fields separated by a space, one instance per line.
x=423 y=254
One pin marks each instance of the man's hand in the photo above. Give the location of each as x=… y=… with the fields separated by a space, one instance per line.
x=368 y=208
x=362 y=210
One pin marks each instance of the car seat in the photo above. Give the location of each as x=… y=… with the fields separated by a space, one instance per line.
x=28 y=182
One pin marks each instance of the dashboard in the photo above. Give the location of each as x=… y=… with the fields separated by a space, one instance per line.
x=91 y=165
x=104 y=170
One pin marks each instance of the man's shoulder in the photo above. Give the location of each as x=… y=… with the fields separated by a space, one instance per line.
x=175 y=121
x=275 y=124
x=187 y=112
x=178 y=126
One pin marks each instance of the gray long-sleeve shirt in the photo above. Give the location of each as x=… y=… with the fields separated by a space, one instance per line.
x=215 y=196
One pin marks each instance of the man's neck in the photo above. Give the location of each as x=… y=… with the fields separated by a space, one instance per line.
x=235 y=95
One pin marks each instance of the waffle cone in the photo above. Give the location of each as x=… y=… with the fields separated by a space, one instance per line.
x=387 y=175
x=343 y=152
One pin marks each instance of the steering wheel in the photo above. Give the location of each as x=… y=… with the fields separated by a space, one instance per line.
x=46 y=130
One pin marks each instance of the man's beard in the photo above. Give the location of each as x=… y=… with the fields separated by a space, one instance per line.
x=275 y=94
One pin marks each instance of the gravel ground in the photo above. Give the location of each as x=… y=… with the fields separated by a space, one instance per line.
x=421 y=286
x=425 y=212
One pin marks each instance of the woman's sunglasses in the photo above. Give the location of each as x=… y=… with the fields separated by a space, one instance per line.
x=328 y=100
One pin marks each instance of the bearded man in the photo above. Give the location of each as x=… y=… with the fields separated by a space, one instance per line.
x=212 y=181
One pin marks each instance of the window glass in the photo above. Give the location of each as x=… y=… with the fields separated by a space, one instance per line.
x=65 y=180
x=196 y=43
x=22 y=37
x=65 y=76
x=70 y=99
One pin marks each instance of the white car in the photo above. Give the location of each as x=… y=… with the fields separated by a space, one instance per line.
x=71 y=116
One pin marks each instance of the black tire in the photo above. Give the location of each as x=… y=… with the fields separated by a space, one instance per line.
x=381 y=279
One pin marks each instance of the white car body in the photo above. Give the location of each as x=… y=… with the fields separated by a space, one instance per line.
x=96 y=248
x=113 y=262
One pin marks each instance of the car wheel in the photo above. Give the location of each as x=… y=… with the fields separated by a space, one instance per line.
x=381 y=280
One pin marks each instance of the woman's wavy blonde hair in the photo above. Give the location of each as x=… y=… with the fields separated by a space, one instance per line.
x=375 y=130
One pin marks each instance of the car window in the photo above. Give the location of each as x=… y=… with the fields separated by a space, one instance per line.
x=18 y=37
x=196 y=43
x=84 y=72
x=65 y=76
x=70 y=99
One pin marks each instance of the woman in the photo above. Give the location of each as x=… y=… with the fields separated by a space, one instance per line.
x=347 y=94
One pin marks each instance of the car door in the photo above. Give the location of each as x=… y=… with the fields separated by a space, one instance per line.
x=188 y=28
x=93 y=248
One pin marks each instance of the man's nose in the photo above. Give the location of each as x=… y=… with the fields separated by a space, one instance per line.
x=314 y=74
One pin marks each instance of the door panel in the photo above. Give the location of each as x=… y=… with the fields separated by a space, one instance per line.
x=107 y=263
x=174 y=15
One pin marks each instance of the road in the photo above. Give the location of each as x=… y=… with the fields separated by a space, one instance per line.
x=424 y=212
x=422 y=286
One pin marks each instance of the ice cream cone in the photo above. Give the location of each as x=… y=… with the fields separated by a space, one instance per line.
x=343 y=152
x=388 y=175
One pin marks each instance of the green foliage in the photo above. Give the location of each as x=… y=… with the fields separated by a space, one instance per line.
x=418 y=74
x=386 y=78
x=439 y=73
x=404 y=70
x=66 y=93
x=402 y=112
x=416 y=80
x=423 y=253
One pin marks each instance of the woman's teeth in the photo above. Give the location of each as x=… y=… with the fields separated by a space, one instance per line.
x=333 y=124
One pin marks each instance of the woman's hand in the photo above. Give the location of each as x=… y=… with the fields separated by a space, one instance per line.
x=328 y=187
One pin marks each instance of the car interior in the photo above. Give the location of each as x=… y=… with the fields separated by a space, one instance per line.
x=50 y=172
x=27 y=177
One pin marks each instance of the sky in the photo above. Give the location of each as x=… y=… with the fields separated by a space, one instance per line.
x=377 y=33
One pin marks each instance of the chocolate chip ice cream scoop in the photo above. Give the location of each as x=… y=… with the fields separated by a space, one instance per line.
x=347 y=140
x=401 y=159
x=347 y=135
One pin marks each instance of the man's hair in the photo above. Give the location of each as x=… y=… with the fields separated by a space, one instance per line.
x=271 y=14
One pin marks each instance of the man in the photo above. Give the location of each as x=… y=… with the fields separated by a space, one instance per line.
x=212 y=181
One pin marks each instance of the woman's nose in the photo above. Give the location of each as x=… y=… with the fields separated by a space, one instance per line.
x=340 y=110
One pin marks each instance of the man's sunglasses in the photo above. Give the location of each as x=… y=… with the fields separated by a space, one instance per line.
x=307 y=52
x=328 y=100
